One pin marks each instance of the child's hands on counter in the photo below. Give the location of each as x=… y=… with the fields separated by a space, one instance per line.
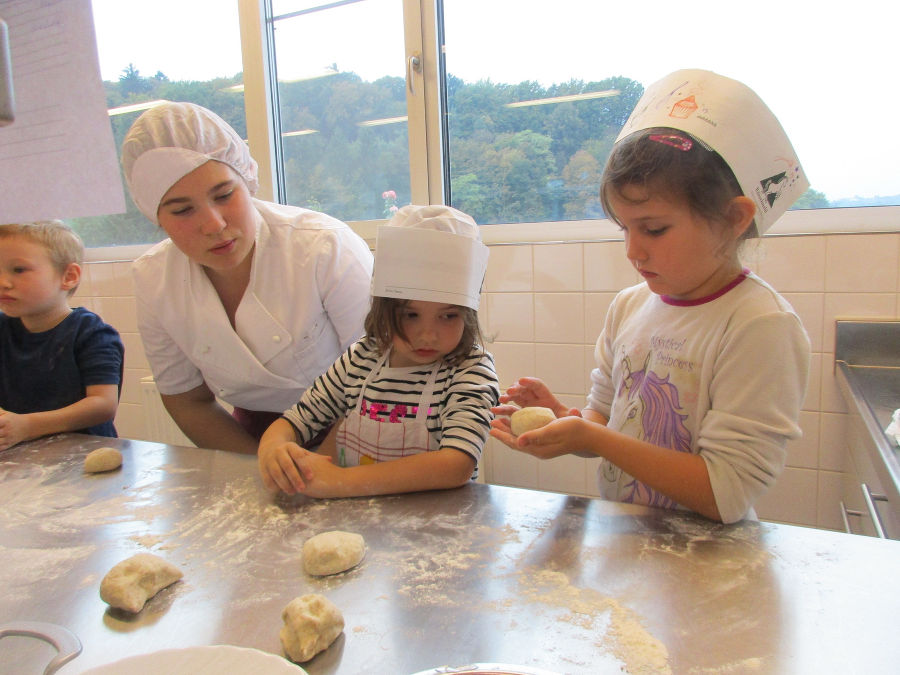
x=283 y=464
x=321 y=475
x=13 y=429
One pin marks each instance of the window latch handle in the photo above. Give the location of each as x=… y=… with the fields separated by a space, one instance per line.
x=413 y=65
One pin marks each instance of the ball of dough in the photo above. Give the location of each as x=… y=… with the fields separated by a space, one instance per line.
x=130 y=583
x=528 y=419
x=311 y=623
x=102 y=459
x=332 y=552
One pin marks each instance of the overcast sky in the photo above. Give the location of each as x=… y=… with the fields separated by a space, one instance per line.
x=821 y=66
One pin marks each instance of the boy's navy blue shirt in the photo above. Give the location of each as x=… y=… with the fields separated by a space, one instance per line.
x=50 y=370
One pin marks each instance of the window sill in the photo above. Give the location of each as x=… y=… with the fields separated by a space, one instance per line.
x=793 y=223
x=865 y=220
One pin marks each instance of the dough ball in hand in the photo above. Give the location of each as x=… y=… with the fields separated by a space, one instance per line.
x=528 y=419
x=130 y=583
x=332 y=552
x=102 y=459
x=311 y=623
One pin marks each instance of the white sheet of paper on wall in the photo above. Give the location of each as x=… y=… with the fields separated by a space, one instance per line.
x=57 y=158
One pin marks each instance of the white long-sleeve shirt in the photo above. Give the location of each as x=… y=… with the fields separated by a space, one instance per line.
x=723 y=378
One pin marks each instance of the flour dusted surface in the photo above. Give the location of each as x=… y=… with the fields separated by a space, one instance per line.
x=516 y=576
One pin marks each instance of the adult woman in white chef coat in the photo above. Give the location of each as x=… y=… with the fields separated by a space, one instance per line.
x=247 y=301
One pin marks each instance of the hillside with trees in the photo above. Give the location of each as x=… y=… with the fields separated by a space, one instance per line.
x=345 y=145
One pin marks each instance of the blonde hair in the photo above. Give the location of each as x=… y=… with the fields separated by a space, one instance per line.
x=61 y=242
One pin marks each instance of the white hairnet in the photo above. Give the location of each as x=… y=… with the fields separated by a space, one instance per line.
x=169 y=141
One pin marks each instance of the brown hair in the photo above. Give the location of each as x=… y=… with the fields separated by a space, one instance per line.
x=61 y=242
x=677 y=164
x=383 y=323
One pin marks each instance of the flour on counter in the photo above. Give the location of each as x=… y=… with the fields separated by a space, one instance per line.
x=231 y=528
x=725 y=559
x=751 y=665
x=428 y=578
x=173 y=469
x=631 y=642
x=431 y=553
x=47 y=509
x=148 y=541
x=41 y=564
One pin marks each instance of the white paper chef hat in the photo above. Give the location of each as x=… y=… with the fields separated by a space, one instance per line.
x=169 y=141
x=431 y=253
x=731 y=119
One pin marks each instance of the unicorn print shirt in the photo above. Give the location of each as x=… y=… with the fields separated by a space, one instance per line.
x=723 y=377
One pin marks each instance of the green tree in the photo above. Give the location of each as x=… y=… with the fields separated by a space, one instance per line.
x=811 y=199
x=508 y=163
x=581 y=177
x=131 y=82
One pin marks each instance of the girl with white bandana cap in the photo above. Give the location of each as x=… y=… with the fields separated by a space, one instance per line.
x=700 y=370
x=247 y=301
x=415 y=395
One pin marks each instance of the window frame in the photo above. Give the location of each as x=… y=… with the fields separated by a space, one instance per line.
x=427 y=145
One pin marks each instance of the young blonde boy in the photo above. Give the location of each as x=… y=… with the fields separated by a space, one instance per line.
x=60 y=368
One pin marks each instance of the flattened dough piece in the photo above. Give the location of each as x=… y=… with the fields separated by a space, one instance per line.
x=130 y=583
x=528 y=419
x=102 y=459
x=311 y=623
x=332 y=552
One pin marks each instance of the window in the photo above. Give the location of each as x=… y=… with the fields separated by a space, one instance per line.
x=342 y=106
x=538 y=92
x=180 y=50
x=502 y=108
x=535 y=95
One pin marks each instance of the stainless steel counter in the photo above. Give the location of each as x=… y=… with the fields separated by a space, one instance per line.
x=874 y=394
x=477 y=574
x=867 y=371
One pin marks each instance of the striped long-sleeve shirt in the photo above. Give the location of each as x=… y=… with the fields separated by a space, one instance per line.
x=459 y=413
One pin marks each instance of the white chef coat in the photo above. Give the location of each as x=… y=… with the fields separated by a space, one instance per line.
x=305 y=304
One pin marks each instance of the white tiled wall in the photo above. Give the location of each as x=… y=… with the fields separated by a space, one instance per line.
x=542 y=311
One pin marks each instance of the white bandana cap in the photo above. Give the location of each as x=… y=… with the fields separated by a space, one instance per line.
x=169 y=141
x=730 y=118
x=431 y=253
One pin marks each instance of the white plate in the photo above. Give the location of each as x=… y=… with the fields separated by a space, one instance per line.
x=212 y=660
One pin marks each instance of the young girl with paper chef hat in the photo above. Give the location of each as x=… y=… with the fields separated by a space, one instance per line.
x=415 y=394
x=246 y=301
x=702 y=368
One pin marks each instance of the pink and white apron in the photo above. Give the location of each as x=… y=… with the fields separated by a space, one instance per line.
x=366 y=437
